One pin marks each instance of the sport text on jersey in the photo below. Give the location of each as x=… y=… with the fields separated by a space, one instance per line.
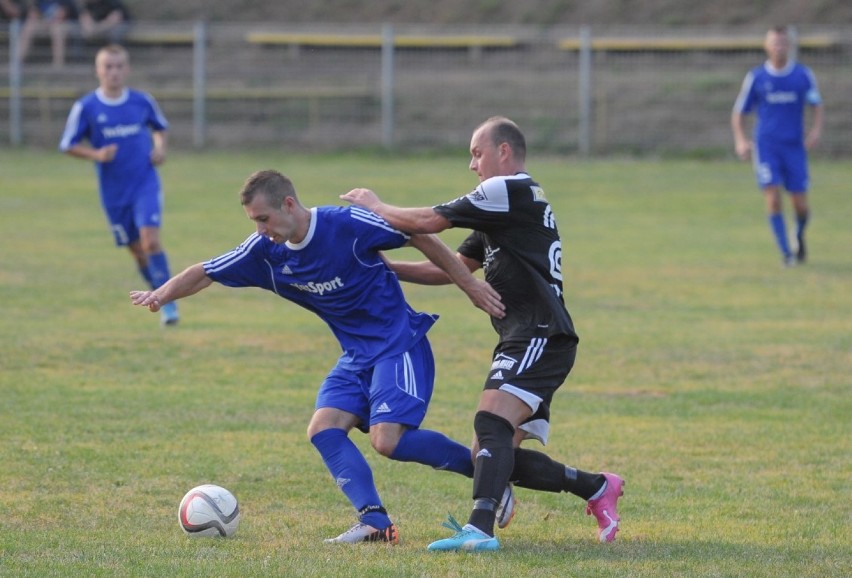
x=121 y=130
x=781 y=97
x=321 y=287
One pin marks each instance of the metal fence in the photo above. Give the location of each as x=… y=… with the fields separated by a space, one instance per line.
x=580 y=90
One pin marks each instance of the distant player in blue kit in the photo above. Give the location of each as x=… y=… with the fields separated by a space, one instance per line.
x=778 y=91
x=124 y=132
x=328 y=260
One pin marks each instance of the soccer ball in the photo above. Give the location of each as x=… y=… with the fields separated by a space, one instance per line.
x=209 y=510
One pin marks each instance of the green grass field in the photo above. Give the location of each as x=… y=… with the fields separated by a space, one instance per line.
x=715 y=381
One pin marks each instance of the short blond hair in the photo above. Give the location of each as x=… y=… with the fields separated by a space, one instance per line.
x=115 y=49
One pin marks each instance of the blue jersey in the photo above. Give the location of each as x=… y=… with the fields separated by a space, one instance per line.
x=779 y=97
x=125 y=121
x=337 y=273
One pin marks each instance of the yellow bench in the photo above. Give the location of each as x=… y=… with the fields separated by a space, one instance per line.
x=682 y=44
x=376 y=40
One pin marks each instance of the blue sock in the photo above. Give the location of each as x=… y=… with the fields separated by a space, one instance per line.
x=434 y=449
x=352 y=475
x=146 y=275
x=158 y=269
x=779 y=229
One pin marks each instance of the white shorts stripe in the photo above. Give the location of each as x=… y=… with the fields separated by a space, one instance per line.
x=533 y=353
x=409 y=375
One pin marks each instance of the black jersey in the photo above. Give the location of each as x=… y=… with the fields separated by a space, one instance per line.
x=516 y=240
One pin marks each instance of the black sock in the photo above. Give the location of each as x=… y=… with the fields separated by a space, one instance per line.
x=583 y=484
x=537 y=471
x=493 y=466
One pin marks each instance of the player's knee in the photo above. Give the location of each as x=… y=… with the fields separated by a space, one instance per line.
x=773 y=199
x=313 y=430
x=140 y=258
x=385 y=437
x=384 y=446
x=152 y=246
x=474 y=449
x=493 y=430
x=149 y=239
x=320 y=422
x=384 y=443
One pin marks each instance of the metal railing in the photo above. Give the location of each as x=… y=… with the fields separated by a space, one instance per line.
x=576 y=91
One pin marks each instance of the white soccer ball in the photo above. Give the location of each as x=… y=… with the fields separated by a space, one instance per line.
x=209 y=510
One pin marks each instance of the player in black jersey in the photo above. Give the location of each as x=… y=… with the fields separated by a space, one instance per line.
x=516 y=241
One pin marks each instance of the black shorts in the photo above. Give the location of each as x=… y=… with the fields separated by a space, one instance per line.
x=532 y=371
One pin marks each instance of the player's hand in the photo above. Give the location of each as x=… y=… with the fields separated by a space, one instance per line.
x=362 y=197
x=812 y=139
x=107 y=154
x=146 y=299
x=158 y=156
x=486 y=298
x=743 y=149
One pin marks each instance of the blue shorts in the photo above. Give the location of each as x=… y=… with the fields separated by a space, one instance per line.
x=781 y=164
x=126 y=220
x=395 y=390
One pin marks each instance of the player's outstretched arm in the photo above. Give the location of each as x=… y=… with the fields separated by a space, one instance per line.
x=480 y=293
x=410 y=220
x=426 y=272
x=420 y=272
x=189 y=282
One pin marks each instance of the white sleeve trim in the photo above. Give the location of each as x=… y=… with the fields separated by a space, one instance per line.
x=491 y=195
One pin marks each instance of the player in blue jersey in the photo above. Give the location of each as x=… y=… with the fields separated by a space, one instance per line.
x=516 y=241
x=328 y=261
x=778 y=92
x=124 y=132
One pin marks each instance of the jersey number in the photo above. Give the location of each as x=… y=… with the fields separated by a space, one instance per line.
x=555 y=257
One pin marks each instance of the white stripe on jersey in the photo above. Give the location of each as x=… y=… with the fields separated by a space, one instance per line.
x=372 y=218
x=161 y=118
x=493 y=194
x=71 y=126
x=532 y=354
x=739 y=104
x=223 y=261
x=813 y=96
